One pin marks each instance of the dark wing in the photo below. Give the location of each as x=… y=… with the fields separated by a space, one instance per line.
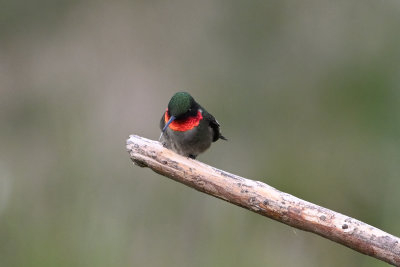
x=215 y=126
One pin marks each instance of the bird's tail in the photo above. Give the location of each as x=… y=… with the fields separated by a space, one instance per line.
x=223 y=137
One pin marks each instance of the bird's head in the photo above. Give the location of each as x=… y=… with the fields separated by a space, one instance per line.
x=181 y=106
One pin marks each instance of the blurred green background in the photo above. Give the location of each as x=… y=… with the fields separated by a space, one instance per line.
x=308 y=93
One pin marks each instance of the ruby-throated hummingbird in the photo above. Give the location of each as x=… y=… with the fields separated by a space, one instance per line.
x=187 y=128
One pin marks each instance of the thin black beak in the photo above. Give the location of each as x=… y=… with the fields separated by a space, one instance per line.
x=168 y=123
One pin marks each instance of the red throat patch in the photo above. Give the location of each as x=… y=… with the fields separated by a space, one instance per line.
x=184 y=125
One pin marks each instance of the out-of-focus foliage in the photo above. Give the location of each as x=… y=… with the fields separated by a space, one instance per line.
x=308 y=93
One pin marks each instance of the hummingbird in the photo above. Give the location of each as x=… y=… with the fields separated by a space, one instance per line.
x=187 y=128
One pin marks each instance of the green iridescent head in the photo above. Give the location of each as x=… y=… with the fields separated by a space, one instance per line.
x=180 y=104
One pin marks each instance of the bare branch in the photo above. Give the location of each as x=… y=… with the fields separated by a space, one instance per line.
x=265 y=200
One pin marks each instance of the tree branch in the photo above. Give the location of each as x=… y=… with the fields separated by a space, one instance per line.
x=265 y=200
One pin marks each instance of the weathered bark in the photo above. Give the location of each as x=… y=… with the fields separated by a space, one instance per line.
x=265 y=200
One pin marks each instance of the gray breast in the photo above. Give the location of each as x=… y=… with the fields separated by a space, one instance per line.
x=191 y=142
